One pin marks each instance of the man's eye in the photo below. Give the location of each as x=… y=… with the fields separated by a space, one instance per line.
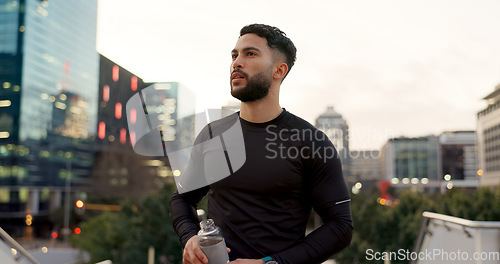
x=234 y=56
x=251 y=54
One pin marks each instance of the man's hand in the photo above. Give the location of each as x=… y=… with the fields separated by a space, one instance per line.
x=247 y=261
x=192 y=252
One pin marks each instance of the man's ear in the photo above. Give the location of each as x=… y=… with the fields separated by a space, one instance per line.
x=281 y=71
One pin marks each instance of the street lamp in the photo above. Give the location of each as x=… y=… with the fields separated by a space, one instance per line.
x=66 y=231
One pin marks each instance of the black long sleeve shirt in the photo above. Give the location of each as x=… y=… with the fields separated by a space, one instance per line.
x=263 y=207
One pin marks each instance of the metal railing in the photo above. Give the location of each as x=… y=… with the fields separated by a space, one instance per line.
x=457 y=234
x=18 y=253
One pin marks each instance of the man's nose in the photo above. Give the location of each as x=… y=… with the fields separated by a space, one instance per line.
x=238 y=63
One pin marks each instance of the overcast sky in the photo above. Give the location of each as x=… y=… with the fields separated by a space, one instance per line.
x=391 y=67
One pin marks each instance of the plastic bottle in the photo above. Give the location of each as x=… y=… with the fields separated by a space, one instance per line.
x=212 y=242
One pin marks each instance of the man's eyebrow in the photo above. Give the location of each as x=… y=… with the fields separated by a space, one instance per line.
x=246 y=49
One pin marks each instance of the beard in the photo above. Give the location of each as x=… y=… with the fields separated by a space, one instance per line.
x=257 y=87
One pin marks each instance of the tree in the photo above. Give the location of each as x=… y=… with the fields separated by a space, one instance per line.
x=458 y=203
x=100 y=237
x=487 y=207
x=125 y=236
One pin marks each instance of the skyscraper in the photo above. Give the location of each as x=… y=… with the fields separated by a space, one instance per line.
x=336 y=129
x=48 y=103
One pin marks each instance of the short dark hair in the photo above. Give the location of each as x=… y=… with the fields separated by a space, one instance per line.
x=276 y=39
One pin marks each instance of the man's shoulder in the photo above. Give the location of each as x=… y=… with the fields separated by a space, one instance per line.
x=219 y=126
x=297 y=122
x=306 y=130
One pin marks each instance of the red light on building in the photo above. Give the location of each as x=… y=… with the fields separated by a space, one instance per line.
x=116 y=72
x=53 y=235
x=123 y=135
x=105 y=93
x=132 y=137
x=102 y=130
x=133 y=83
x=77 y=230
x=133 y=116
x=118 y=110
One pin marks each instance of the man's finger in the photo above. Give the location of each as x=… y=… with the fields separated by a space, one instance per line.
x=190 y=257
x=200 y=255
x=185 y=257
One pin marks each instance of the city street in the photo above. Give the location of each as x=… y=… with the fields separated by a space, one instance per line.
x=59 y=256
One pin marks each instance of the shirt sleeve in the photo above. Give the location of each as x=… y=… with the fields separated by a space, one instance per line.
x=183 y=213
x=183 y=205
x=330 y=199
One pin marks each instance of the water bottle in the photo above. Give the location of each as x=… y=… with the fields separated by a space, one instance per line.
x=212 y=243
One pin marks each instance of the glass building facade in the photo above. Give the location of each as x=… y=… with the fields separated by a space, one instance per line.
x=411 y=160
x=48 y=101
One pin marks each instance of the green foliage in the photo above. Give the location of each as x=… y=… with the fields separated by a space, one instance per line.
x=457 y=203
x=101 y=237
x=125 y=236
x=391 y=228
x=486 y=206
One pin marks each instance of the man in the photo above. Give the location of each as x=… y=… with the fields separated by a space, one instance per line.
x=291 y=167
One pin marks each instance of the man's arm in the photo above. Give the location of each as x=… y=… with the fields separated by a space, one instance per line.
x=183 y=213
x=185 y=222
x=183 y=205
x=330 y=199
x=334 y=235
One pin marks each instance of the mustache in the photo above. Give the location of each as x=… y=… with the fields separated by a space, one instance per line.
x=240 y=71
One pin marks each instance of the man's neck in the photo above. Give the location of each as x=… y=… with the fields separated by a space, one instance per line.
x=260 y=111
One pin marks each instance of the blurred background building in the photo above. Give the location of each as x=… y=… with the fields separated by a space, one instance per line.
x=411 y=160
x=488 y=140
x=48 y=98
x=365 y=167
x=118 y=170
x=458 y=155
x=336 y=129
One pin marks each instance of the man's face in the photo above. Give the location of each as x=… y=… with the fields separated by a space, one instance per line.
x=251 y=68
